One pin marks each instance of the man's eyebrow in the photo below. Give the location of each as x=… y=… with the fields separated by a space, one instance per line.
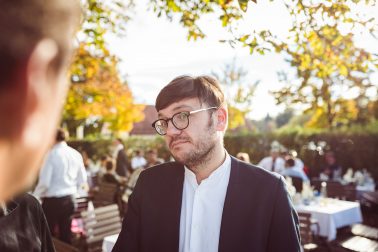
x=178 y=108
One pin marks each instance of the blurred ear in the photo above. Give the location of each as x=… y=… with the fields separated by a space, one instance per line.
x=222 y=119
x=38 y=71
x=27 y=87
x=39 y=87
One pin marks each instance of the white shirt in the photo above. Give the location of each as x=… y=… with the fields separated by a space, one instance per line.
x=138 y=162
x=298 y=164
x=62 y=174
x=294 y=172
x=267 y=162
x=202 y=208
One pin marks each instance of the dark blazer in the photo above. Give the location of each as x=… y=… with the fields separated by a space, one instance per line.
x=257 y=215
x=121 y=163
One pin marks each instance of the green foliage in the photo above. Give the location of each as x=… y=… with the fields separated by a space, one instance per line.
x=328 y=64
x=101 y=147
x=100 y=18
x=238 y=92
x=190 y=12
x=320 y=48
x=357 y=149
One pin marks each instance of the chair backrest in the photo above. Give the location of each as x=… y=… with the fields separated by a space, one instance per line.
x=345 y=192
x=81 y=205
x=305 y=228
x=99 y=223
x=63 y=247
x=106 y=194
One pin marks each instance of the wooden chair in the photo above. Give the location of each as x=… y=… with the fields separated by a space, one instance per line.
x=106 y=194
x=63 y=247
x=360 y=244
x=365 y=231
x=306 y=231
x=81 y=205
x=345 y=192
x=99 y=223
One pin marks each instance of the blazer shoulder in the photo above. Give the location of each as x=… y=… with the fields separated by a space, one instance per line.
x=163 y=170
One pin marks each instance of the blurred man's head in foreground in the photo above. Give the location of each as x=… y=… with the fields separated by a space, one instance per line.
x=35 y=50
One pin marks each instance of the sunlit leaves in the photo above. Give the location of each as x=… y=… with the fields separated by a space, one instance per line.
x=190 y=12
x=328 y=63
x=97 y=93
x=239 y=93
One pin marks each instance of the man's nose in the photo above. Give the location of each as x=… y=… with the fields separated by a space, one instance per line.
x=172 y=130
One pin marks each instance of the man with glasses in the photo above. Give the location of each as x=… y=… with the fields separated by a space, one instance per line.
x=207 y=200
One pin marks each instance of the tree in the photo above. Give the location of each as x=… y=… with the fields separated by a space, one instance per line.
x=284 y=117
x=190 y=12
x=238 y=93
x=328 y=64
x=320 y=48
x=97 y=94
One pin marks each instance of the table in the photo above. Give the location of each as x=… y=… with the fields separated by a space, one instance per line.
x=332 y=214
x=109 y=242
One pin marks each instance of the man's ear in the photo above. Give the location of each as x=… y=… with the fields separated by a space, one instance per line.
x=28 y=86
x=222 y=119
x=37 y=87
x=38 y=71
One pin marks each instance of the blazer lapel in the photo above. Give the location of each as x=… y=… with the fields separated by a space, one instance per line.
x=173 y=206
x=230 y=204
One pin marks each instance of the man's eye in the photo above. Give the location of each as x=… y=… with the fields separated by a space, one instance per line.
x=182 y=116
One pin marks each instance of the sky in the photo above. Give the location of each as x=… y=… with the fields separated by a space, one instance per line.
x=155 y=51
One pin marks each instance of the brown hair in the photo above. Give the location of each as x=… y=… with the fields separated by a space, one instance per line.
x=23 y=23
x=109 y=164
x=61 y=135
x=207 y=89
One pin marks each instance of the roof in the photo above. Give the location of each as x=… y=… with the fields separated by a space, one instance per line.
x=145 y=127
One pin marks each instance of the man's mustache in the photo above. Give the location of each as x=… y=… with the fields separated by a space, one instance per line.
x=180 y=138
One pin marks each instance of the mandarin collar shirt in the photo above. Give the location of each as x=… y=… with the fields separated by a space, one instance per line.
x=62 y=174
x=202 y=208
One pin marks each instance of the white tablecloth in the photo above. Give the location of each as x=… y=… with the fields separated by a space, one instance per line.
x=109 y=242
x=332 y=214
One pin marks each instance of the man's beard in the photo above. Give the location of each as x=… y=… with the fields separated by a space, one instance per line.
x=202 y=151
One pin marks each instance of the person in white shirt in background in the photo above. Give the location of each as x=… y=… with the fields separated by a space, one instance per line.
x=292 y=170
x=60 y=178
x=138 y=161
x=273 y=162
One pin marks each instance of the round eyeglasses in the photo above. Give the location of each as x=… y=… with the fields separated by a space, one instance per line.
x=179 y=120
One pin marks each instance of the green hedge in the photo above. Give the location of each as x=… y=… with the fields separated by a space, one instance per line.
x=354 y=150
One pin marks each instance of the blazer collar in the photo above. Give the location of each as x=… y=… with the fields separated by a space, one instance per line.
x=230 y=204
x=173 y=204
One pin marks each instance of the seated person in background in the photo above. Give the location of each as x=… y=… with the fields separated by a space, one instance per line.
x=243 y=157
x=152 y=158
x=138 y=161
x=332 y=170
x=110 y=176
x=273 y=162
x=102 y=165
x=299 y=165
x=292 y=171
